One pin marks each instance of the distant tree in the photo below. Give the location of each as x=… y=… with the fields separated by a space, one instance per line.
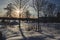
x=45 y=6
x=9 y=9
x=58 y=14
x=28 y=14
x=50 y=9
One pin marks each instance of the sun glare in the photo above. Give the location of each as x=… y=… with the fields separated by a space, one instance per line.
x=17 y=11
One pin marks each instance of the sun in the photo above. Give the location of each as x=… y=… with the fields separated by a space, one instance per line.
x=17 y=11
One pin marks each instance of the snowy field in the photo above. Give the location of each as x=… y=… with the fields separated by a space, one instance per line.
x=50 y=31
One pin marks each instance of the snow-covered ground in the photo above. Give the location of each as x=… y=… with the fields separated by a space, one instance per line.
x=49 y=32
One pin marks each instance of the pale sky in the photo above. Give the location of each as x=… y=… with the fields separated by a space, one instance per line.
x=3 y=4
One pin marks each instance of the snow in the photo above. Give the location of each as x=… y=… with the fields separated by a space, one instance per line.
x=13 y=33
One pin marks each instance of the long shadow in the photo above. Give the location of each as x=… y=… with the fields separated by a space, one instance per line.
x=24 y=38
x=1 y=36
x=35 y=38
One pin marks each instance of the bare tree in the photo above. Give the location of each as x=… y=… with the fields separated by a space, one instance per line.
x=9 y=9
x=18 y=4
x=27 y=14
x=45 y=6
x=38 y=7
x=50 y=9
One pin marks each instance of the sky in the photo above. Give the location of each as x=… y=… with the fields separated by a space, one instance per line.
x=55 y=1
x=3 y=4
